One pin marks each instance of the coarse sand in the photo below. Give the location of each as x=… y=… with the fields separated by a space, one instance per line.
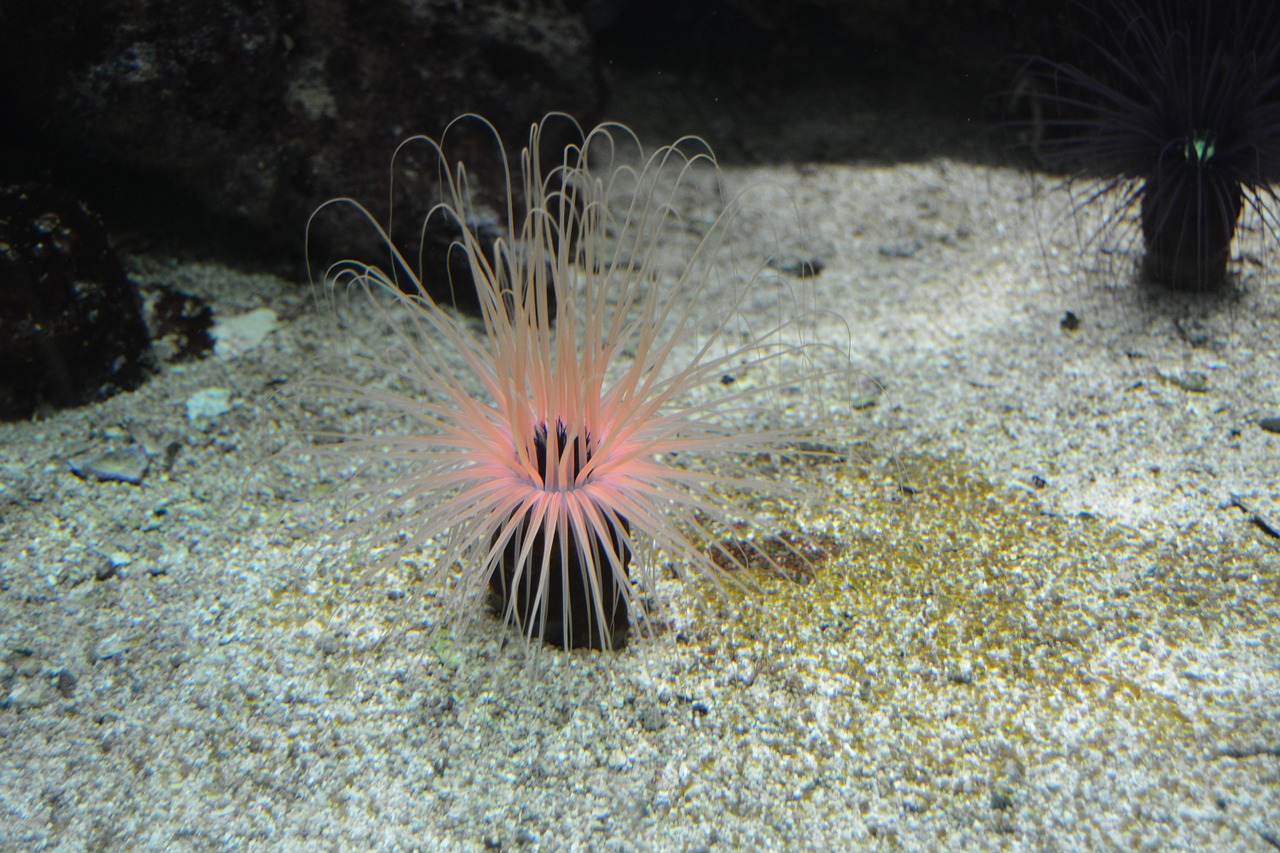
x=1049 y=619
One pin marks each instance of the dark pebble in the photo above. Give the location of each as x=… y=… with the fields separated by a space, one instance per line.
x=66 y=683
x=796 y=266
x=71 y=327
x=105 y=569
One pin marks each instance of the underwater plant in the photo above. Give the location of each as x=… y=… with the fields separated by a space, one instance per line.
x=1173 y=108
x=549 y=458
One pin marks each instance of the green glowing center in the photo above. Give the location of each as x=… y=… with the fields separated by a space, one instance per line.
x=1199 y=147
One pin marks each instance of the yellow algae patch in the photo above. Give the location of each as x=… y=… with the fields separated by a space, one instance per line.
x=956 y=627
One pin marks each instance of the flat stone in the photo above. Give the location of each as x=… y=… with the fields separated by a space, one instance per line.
x=124 y=465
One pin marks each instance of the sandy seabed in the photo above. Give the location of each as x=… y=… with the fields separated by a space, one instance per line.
x=1065 y=635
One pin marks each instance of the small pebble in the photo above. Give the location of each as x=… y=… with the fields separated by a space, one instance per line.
x=901 y=250
x=652 y=719
x=237 y=335
x=105 y=569
x=66 y=684
x=797 y=266
x=29 y=693
x=109 y=647
x=128 y=465
x=1194 y=381
x=208 y=403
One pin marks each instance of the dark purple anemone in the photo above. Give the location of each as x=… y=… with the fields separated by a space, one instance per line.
x=1173 y=106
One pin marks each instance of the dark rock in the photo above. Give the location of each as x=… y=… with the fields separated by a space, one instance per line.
x=968 y=36
x=860 y=79
x=181 y=324
x=260 y=111
x=71 y=329
x=797 y=266
x=1001 y=801
x=105 y=569
x=66 y=683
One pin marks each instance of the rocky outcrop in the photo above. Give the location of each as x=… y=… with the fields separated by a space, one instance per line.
x=71 y=327
x=259 y=111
